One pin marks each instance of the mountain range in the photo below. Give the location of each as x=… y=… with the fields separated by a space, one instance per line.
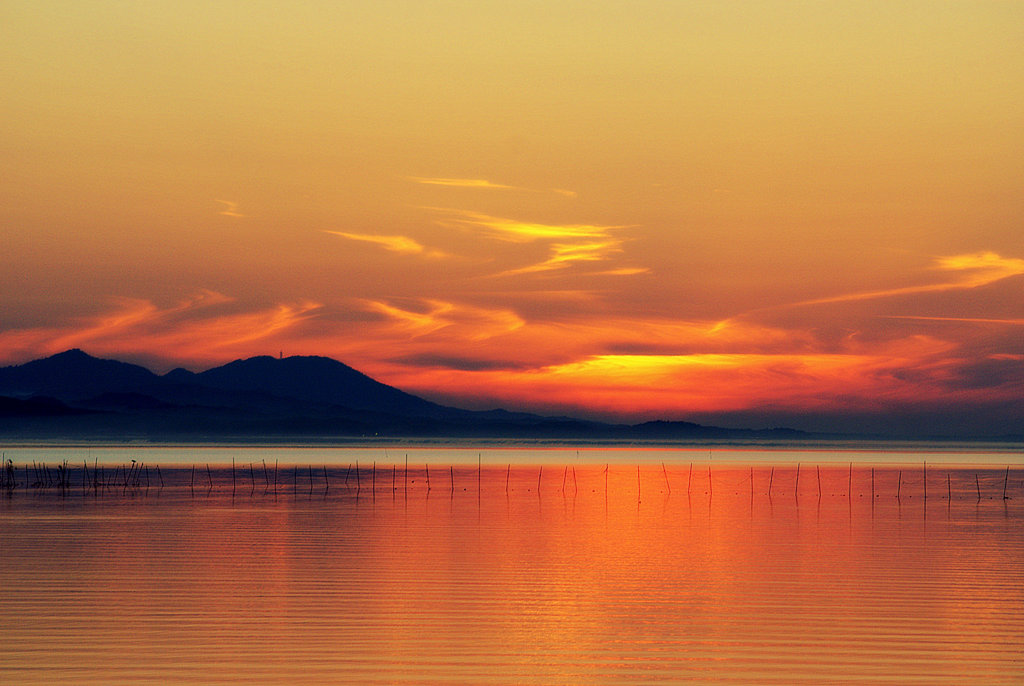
x=75 y=396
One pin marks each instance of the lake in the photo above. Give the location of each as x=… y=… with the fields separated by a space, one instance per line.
x=511 y=566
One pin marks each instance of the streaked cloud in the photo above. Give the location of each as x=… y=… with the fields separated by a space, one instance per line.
x=230 y=209
x=466 y=322
x=462 y=183
x=485 y=184
x=973 y=270
x=206 y=327
x=518 y=231
x=399 y=244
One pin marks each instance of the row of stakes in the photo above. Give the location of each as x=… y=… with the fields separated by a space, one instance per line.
x=137 y=475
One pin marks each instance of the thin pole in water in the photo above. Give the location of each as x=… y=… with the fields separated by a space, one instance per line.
x=508 y=473
x=565 y=472
x=373 y=477
x=451 y=472
x=327 y=483
x=849 y=482
x=751 y=483
x=949 y=490
x=977 y=485
x=796 y=489
x=539 y=473
x=665 y=472
x=818 y=470
x=689 y=479
x=771 y=478
x=638 y=483
x=479 y=470
x=606 y=480
x=872 y=484
x=209 y=476
x=232 y=476
x=575 y=485
x=711 y=484
x=252 y=477
x=192 y=484
x=924 y=478
x=899 y=484
x=427 y=467
x=1006 y=478
x=358 y=485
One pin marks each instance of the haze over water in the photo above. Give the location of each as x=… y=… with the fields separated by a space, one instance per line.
x=659 y=576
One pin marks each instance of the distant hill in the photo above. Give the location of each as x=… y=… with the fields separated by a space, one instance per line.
x=74 y=395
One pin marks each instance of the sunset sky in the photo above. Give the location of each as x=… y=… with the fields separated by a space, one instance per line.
x=741 y=213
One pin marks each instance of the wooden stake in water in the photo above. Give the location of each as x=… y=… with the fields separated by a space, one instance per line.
x=1006 y=479
x=689 y=479
x=427 y=467
x=327 y=483
x=451 y=472
x=924 y=478
x=949 y=490
x=373 y=478
x=899 y=484
x=771 y=478
x=540 y=472
x=711 y=485
x=479 y=472
x=565 y=473
x=751 y=483
x=664 y=471
x=575 y=485
x=192 y=484
x=638 y=483
x=872 y=484
x=818 y=470
x=796 y=489
x=358 y=484
x=849 y=482
x=508 y=473
x=232 y=476
x=977 y=485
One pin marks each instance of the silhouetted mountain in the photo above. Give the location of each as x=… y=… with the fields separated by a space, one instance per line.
x=318 y=379
x=264 y=397
x=71 y=376
x=36 y=406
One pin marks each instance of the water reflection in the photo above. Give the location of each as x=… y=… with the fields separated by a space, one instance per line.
x=518 y=574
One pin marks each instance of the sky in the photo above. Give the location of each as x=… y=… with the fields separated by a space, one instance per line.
x=749 y=214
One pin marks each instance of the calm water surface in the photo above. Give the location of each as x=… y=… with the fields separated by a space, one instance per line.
x=649 y=574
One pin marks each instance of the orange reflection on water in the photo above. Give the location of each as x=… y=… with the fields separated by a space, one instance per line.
x=662 y=575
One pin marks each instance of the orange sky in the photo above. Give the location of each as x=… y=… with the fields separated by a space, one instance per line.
x=735 y=212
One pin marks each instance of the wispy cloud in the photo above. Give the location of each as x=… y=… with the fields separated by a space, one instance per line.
x=568 y=243
x=973 y=270
x=466 y=322
x=485 y=184
x=462 y=183
x=399 y=244
x=207 y=326
x=518 y=231
x=230 y=209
